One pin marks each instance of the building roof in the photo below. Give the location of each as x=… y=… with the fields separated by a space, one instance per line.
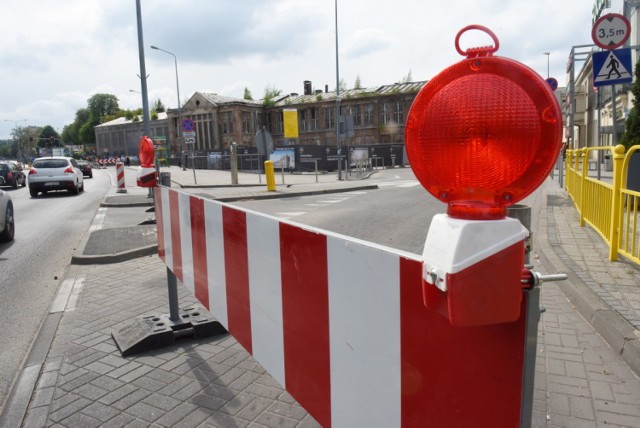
x=123 y=120
x=222 y=99
x=392 y=89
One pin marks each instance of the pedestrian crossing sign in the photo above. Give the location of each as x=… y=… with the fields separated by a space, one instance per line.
x=612 y=67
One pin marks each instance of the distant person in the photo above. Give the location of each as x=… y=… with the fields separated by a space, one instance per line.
x=127 y=161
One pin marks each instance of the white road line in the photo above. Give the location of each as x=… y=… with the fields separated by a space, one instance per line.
x=75 y=292
x=98 y=220
x=291 y=214
x=68 y=294
x=417 y=183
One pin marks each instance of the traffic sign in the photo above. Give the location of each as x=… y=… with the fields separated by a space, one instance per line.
x=553 y=83
x=187 y=124
x=612 y=67
x=611 y=31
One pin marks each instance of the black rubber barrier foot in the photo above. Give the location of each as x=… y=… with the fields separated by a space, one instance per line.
x=151 y=332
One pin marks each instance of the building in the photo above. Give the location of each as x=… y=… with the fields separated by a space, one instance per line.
x=121 y=136
x=372 y=116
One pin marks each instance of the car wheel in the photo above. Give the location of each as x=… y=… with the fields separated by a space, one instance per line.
x=24 y=181
x=33 y=192
x=9 y=226
x=15 y=183
x=82 y=186
x=75 y=189
x=91 y=175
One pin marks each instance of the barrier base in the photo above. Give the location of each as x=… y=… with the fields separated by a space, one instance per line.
x=158 y=331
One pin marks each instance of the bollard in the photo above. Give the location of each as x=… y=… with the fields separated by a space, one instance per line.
x=165 y=179
x=120 y=177
x=270 y=175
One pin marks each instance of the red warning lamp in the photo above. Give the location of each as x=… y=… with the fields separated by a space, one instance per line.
x=484 y=133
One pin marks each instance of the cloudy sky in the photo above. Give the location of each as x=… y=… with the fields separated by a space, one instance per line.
x=55 y=54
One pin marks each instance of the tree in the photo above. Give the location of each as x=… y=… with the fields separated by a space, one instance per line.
x=408 y=78
x=358 y=84
x=247 y=94
x=343 y=85
x=102 y=105
x=158 y=107
x=270 y=93
x=49 y=138
x=631 y=135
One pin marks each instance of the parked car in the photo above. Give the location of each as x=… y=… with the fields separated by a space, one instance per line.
x=85 y=167
x=55 y=173
x=12 y=174
x=7 y=226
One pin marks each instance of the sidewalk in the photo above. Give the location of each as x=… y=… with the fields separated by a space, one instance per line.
x=75 y=375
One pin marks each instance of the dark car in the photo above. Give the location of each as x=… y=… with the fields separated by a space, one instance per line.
x=85 y=167
x=11 y=174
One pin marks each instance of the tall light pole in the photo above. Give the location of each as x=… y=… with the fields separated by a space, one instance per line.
x=15 y=129
x=547 y=54
x=338 y=147
x=175 y=60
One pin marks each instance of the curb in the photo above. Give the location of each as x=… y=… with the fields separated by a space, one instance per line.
x=80 y=259
x=295 y=194
x=104 y=259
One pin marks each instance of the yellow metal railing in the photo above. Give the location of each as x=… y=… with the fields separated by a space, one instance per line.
x=610 y=208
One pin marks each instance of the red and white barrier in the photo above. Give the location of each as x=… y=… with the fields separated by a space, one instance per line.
x=340 y=322
x=120 y=177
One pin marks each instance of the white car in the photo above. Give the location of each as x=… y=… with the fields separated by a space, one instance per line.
x=7 y=226
x=55 y=173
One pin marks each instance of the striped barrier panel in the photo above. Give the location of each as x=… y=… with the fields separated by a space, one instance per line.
x=340 y=323
x=120 y=178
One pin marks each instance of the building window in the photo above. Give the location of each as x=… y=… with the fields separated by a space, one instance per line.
x=227 y=122
x=313 y=125
x=384 y=114
x=368 y=115
x=279 y=122
x=357 y=119
x=329 y=120
x=303 y=120
x=246 y=122
x=398 y=115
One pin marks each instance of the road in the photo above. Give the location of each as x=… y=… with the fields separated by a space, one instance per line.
x=48 y=229
x=397 y=214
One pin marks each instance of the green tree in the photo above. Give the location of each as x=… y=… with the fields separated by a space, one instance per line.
x=270 y=93
x=49 y=138
x=408 y=78
x=631 y=136
x=158 y=107
x=247 y=94
x=358 y=84
x=102 y=105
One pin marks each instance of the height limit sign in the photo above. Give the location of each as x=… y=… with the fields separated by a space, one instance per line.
x=611 y=31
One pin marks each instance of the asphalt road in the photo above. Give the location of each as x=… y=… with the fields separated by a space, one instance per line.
x=397 y=214
x=48 y=229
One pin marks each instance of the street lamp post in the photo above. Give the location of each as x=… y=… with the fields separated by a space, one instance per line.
x=15 y=129
x=547 y=54
x=175 y=60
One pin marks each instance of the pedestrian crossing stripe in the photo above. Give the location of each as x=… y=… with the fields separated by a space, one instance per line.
x=613 y=67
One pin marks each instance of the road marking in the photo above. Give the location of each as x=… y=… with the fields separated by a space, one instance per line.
x=98 y=221
x=409 y=184
x=291 y=214
x=67 y=294
x=75 y=293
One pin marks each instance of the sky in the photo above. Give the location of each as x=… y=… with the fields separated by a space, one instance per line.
x=55 y=55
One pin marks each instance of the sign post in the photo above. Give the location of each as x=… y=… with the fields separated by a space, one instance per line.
x=609 y=32
x=189 y=135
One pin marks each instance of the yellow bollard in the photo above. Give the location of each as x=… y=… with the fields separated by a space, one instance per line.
x=271 y=175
